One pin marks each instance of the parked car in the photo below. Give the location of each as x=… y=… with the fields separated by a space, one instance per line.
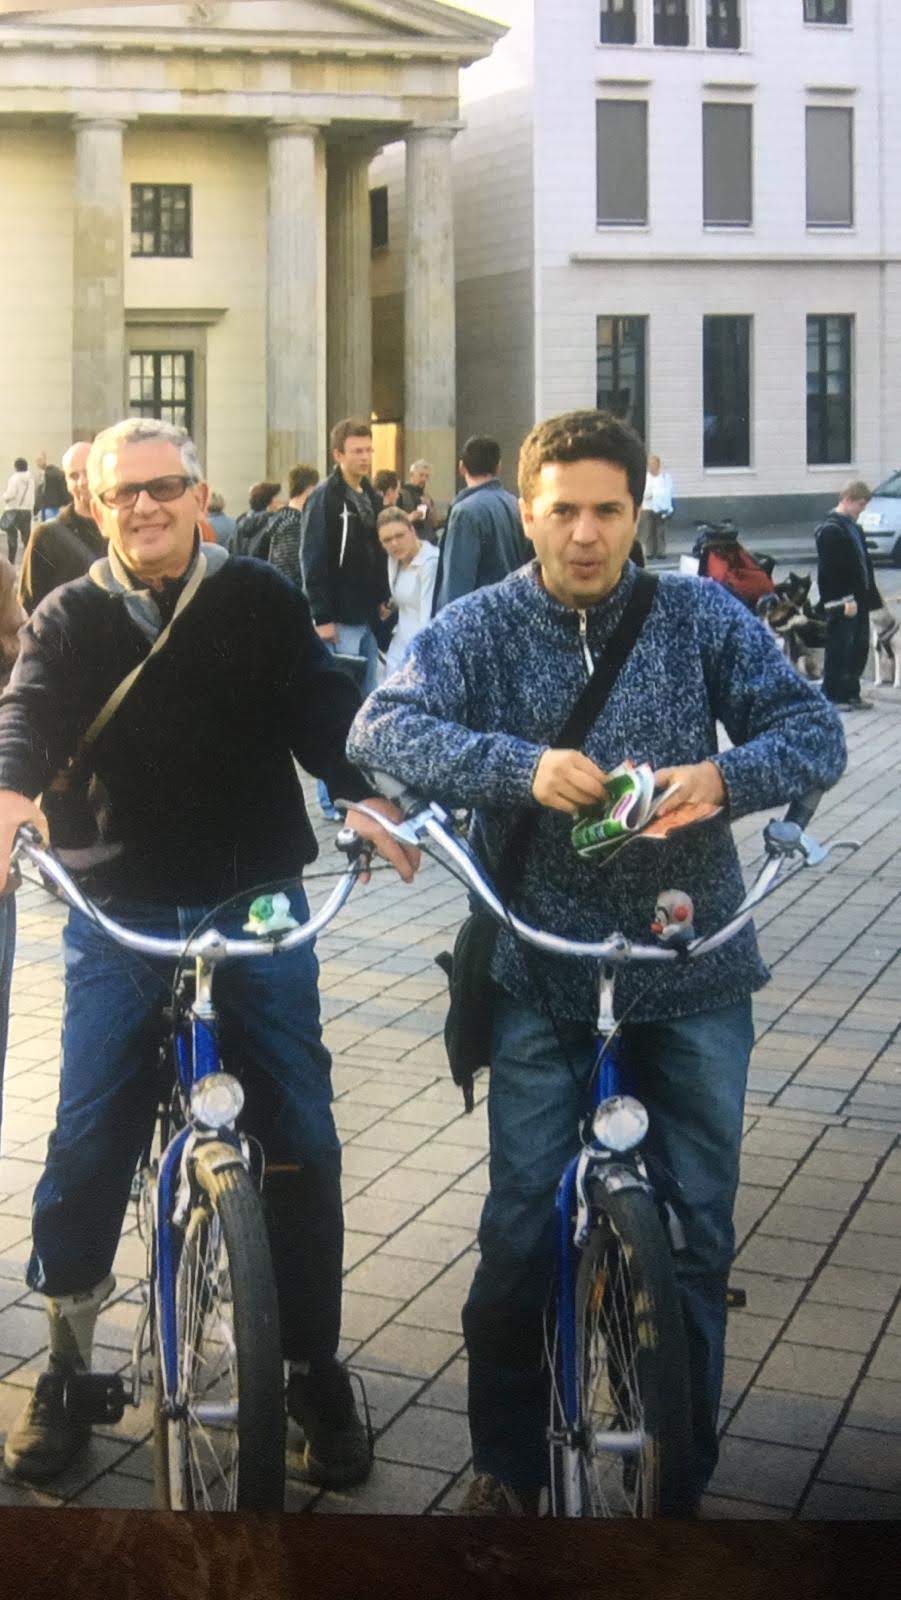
x=881 y=521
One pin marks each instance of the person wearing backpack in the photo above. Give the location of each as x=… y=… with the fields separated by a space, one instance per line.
x=253 y=528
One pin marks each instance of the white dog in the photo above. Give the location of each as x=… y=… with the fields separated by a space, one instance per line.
x=885 y=641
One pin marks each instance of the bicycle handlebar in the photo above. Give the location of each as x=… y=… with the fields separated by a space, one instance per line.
x=429 y=827
x=211 y=946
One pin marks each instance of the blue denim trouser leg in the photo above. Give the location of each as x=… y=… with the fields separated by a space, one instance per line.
x=691 y=1077
x=7 y=955
x=354 y=639
x=270 y=1034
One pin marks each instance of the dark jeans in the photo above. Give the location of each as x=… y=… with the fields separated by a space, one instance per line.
x=690 y=1075
x=847 y=646
x=7 y=953
x=270 y=1034
x=23 y=528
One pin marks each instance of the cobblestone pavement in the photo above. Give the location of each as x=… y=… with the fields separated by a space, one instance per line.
x=812 y=1404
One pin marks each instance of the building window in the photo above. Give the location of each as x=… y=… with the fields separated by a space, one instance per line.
x=828 y=390
x=671 y=21
x=378 y=217
x=727 y=391
x=161 y=219
x=830 y=167
x=161 y=384
x=621 y=368
x=622 y=158
x=826 y=11
x=724 y=24
x=617 y=21
x=728 y=182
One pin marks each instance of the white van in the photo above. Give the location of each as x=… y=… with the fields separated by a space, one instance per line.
x=881 y=520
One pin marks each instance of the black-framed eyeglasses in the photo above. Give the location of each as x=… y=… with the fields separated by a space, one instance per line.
x=124 y=495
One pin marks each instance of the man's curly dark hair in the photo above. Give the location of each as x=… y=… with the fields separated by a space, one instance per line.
x=583 y=436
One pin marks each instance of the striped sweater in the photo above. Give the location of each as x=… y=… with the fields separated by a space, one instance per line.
x=482 y=694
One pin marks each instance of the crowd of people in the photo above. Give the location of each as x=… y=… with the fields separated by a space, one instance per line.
x=271 y=629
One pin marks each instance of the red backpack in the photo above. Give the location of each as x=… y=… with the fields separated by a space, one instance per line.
x=731 y=565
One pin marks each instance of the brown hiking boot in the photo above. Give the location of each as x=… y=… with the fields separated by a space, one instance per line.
x=488 y=1497
x=44 y=1439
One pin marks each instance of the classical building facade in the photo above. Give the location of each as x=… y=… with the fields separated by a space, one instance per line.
x=188 y=221
x=685 y=209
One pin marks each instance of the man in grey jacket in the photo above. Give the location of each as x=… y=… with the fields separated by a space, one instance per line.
x=471 y=720
x=483 y=540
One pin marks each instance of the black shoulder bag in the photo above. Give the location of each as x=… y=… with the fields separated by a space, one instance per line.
x=467 y=1030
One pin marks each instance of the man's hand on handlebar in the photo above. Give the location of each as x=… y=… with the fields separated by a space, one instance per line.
x=14 y=810
x=565 y=780
x=403 y=858
x=701 y=784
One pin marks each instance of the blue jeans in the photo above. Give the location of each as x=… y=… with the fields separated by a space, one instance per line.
x=7 y=953
x=690 y=1074
x=270 y=1035
x=354 y=639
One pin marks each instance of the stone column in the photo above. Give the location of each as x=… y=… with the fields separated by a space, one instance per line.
x=295 y=300
x=349 y=294
x=98 y=303
x=429 y=311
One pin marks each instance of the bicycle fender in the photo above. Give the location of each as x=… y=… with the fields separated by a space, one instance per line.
x=216 y=1156
x=593 y=1169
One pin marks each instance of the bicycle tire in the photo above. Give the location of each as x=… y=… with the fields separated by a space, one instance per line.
x=228 y=1225
x=626 y=1290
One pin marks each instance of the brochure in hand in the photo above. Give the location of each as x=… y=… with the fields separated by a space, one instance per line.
x=630 y=812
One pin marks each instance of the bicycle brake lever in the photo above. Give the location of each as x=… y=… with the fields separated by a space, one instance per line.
x=402 y=831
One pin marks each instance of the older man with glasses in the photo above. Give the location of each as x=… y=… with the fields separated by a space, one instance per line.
x=194 y=798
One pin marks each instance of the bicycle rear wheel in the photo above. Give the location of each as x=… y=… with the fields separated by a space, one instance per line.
x=632 y=1364
x=225 y=1451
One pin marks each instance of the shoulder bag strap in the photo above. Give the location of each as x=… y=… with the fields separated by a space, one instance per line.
x=586 y=711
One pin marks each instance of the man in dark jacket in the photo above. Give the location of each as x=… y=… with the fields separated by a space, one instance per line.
x=344 y=568
x=845 y=574
x=483 y=540
x=202 y=803
x=62 y=549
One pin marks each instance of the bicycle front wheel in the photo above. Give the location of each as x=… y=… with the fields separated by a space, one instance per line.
x=632 y=1364
x=225 y=1450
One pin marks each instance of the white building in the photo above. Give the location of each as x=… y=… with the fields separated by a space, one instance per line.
x=686 y=208
x=187 y=221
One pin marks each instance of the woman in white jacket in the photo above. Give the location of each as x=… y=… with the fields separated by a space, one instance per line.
x=18 y=505
x=412 y=569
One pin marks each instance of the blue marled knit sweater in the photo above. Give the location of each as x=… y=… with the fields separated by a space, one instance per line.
x=486 y=687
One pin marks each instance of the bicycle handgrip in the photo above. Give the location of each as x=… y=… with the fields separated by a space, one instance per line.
x=801 y=810
x=392 y=789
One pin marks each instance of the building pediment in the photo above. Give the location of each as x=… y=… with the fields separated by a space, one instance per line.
x=236 y=21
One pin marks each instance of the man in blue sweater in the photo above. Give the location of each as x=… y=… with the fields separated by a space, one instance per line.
x=470 y=720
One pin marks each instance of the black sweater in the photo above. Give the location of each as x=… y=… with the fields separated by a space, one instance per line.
x=197 y=762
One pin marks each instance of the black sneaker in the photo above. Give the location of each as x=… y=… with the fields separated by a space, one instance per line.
x=338 y=1450
x=859 y=705
x=44 y=1438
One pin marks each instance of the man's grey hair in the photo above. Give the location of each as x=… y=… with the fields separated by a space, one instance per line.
x=420 y=466
x=137 y=430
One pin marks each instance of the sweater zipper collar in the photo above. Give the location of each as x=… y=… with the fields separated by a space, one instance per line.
x=583 y=642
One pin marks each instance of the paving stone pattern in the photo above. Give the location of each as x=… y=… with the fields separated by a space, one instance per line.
x=811 y=1412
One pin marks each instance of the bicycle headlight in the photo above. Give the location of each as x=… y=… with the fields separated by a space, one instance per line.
x=620 y=1123
x=216 y=1100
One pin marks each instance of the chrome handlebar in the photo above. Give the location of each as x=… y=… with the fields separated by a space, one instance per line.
x=211 y=947
x=430 y=827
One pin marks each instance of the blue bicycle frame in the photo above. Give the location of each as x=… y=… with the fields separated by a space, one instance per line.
x=196 y=1055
